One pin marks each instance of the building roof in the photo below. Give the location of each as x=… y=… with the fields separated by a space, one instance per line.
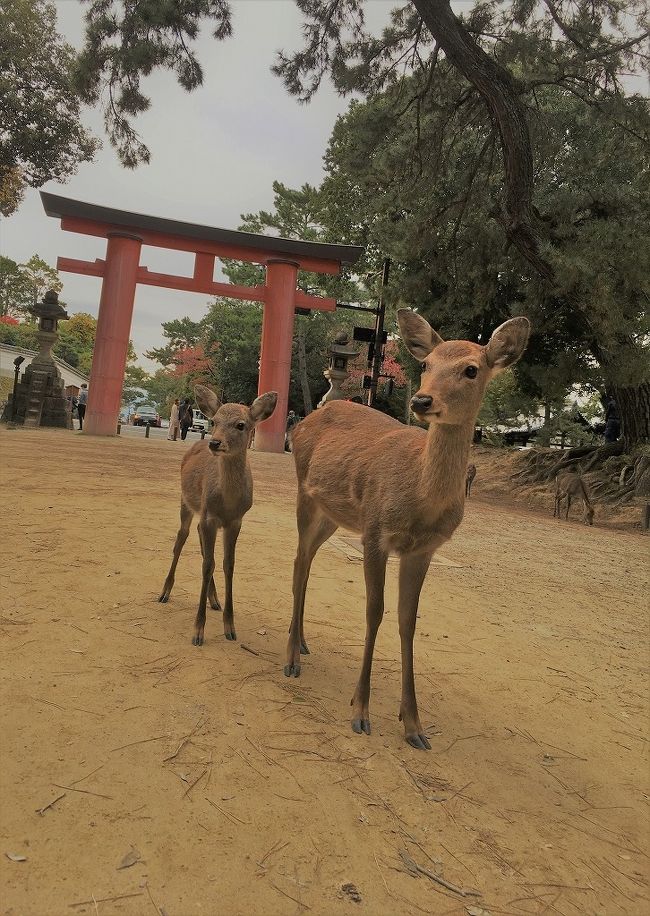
x=63 y=207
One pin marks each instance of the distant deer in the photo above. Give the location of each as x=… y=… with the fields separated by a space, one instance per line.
x=569 y=486
x=469 y=478
x=400 y=486
x=216 y=482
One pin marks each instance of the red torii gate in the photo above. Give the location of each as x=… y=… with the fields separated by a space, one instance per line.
x=121 y=271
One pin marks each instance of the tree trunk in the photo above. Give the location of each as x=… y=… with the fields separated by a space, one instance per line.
x=302 y=371
x=499 y=91
x=634 y=411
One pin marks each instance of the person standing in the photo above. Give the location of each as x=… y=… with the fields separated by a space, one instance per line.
x=82 y=400
x=612 y=421
x=174 y=425
x=185 y=417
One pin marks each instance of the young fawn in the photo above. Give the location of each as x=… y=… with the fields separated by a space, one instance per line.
x=569 y=486
x=401 y=487
x=469 y=478
x=216 y=482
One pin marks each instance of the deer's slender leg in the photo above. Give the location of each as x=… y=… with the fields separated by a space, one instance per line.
x=230 y=535
x=181 y=537
x=314 y=528
x=412 y=570
x=568 y=506
x=374 y=568
x=212 y=590
x=208 y=536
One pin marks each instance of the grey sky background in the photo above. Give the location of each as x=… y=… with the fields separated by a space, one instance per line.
x=215 y=153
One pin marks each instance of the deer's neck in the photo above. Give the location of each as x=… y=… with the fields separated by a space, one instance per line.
x=444 y=462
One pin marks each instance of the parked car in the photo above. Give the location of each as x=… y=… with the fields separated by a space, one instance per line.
x=200 y=421
x=146 y=414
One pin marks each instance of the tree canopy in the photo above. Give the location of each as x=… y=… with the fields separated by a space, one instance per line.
x=21 y=285
x=41 y=135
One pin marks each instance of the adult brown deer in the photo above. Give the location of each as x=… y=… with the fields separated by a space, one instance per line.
x=401 y=487
x=469 y=479
x=216 y=482
x=569 y=486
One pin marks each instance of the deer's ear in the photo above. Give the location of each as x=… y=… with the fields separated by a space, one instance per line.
x=207 y=400
x=507 y=343
x=417 y=334
x=263 y=407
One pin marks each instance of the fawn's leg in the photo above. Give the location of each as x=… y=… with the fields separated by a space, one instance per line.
x=314 y=529
x=181 y=537
x=208 y=536
x=230 y=535
x=212 y=590
x=374 y=568
x=412 y=570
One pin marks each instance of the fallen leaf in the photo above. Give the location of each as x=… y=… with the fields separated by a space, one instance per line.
x=476 y=911
x=261 y=632
x=15 y=858
x=129 y=859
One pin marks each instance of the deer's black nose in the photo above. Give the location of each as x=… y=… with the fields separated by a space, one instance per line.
x=420 y=403
x=215 y=444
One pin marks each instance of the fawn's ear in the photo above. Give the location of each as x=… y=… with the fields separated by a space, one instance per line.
x=507 y=343
x=418 y=335
x=207 y=400
x=263 y=407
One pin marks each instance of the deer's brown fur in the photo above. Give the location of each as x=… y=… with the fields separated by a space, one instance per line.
x=216 y=483
x=402 y=488
x=569 y=486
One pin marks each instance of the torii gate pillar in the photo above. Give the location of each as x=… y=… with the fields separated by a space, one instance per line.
x=275 y=354
x=113 y=330
x=121 y=271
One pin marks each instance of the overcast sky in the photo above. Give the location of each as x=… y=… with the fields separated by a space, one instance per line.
x=214 y=155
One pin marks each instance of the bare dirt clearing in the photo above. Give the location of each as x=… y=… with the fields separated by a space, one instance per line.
x=234 y=790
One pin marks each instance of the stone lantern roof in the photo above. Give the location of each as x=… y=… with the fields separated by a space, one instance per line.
x=340 y=346
x=50 y=307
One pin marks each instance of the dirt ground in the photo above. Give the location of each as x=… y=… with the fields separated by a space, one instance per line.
x=223 y=787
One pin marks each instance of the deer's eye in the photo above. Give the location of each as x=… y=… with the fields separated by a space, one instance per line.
x=241 y=425
x=471 y=372
x=423 y=367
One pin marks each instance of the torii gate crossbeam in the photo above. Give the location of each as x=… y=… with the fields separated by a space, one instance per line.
x=121 y=271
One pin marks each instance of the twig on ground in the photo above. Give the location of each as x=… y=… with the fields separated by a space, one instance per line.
x=275 y=848
x=185 y=740
x=412 y=865
x=153 y=902
x=248 y=649
x=264 y=776
x=295 y=899
x=85 y=791
x=88 y=775
x=105 y=899
x=381 y=873
x=141 y=741
x=227 y=814
x=191 y=785
x=42 y=810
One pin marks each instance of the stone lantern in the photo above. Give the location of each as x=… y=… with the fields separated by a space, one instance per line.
x=336 y=373
x=40 y=395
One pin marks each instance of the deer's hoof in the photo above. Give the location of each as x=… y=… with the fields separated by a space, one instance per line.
x=421 y=742
x=361 y=726
x=230 y=634
x=215 y=606
x=292 y=670
x=304 y=648
x=197 y=640
x=163 y=598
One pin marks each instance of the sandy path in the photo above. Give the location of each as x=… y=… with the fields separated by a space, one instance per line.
x=244 y=792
